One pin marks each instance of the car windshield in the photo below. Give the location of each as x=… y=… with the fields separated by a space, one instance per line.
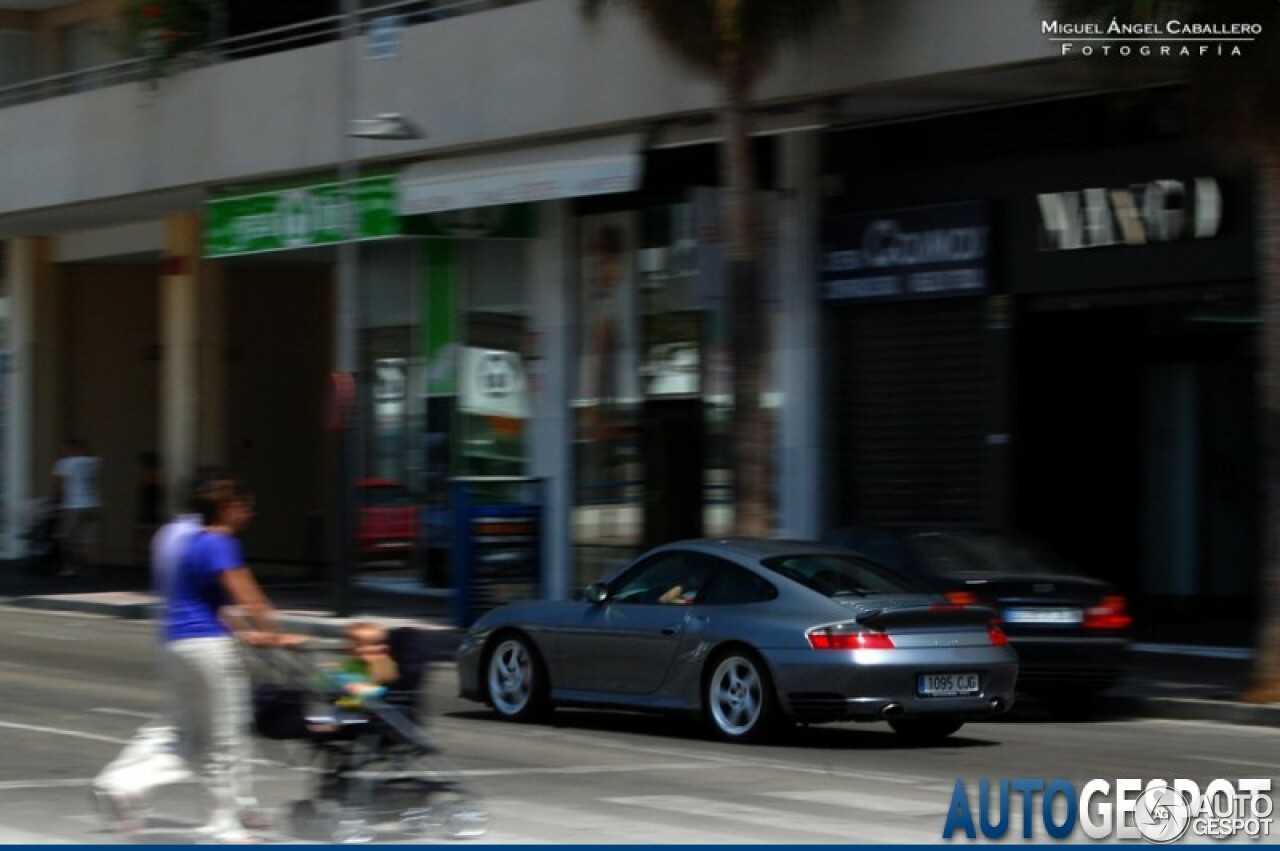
x=951 y=553
x=840 y=575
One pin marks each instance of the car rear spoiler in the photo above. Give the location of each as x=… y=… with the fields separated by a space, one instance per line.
x=938 y=614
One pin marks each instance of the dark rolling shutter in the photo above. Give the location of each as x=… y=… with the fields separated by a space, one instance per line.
x=913 y=394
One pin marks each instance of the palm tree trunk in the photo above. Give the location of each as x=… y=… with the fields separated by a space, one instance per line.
x=748 y=343
x=1265 y=687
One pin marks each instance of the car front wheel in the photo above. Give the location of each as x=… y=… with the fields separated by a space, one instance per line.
x=739 y=702
x=515 y=680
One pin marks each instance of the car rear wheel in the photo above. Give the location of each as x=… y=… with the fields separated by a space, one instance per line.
x=515 y=680
x=925 y=730
x=739 y=702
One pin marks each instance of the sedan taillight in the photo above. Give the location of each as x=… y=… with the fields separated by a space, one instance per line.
x=997 y=636
x=1111 y=613
x=833 y=638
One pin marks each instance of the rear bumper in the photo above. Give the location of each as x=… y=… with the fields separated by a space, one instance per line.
x=870 y=685
x=1091 y=663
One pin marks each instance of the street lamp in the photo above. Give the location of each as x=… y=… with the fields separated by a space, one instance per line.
x=388 y=126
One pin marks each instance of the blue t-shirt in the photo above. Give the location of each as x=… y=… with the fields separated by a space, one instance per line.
x=194 y=592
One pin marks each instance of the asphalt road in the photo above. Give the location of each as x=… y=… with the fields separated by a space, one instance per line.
x=76 y=686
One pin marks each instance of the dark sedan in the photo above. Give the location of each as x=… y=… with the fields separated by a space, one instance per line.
x=747 y=633
x=1071 y=631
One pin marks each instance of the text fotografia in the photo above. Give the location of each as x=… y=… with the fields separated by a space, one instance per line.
x=1173 y=38
x=1129 y=808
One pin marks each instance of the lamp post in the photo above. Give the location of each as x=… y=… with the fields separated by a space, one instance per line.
x=346 y=384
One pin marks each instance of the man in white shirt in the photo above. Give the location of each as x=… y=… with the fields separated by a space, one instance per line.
x=75 y=478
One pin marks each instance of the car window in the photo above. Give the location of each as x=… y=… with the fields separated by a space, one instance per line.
x=840 y=575
x=736 y=586
x=678 y=575
x=953 y=553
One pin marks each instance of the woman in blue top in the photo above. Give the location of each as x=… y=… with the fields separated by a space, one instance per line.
x=212 y=599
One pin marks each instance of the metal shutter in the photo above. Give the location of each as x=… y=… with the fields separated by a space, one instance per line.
x=914 y=397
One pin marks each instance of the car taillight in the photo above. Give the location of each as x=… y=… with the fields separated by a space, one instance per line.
x=962 y=598
x=1111 y=613
x=833 y=638
x=997 y=636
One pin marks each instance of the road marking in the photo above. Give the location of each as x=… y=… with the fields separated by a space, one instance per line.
x=760 y=762
x=61 y=783
x=12 y=835
x=132 y=713
x=1194 y=650
x=47 y=636
x=1218 y=760
x=56 y=731
x=848 y=799
x=848 y=828
x=580 y=769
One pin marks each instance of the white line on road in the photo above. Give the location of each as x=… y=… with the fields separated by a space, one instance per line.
x=585 y=769
x=1219 y=760
x=132 y=713
x=55 y=731
x=60 y=783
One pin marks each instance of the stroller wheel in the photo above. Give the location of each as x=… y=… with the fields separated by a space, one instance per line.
x=351 y=828
x=466 y=819
x=421 y=820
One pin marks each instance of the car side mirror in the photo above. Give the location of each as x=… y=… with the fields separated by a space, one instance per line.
x=597 y=592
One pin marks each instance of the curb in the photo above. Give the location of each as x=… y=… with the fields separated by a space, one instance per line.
x=1199 y=709
x=128 y=606
x=138 y=607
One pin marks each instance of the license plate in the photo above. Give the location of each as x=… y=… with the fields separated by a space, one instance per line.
x=1044 y=616
x=947 y=685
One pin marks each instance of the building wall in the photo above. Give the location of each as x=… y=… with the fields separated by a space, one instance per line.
x=277 y=366
x=500 y=77
x=109 y=386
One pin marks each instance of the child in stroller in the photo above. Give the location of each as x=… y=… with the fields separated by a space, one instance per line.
x=357 y=723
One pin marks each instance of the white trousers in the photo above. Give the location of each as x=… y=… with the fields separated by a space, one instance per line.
x=206 y=731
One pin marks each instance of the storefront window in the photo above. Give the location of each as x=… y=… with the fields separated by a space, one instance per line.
x=608 y=515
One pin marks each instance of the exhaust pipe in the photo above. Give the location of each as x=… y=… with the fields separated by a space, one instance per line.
x=997 y=705
x=893 y=710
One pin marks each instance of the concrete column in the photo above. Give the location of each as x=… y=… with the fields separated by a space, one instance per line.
x=801 y=506
x=551 y=429
x=212 y=402
x=180 y=343
x=31 y=380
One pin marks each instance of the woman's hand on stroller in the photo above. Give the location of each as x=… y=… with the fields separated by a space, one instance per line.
x=282 y=640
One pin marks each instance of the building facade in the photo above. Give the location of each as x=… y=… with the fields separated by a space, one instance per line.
x=539 y=288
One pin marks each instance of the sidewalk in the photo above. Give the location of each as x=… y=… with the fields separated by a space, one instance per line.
x=1178 y=681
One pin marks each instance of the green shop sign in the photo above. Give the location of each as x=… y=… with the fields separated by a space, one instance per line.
x=298 y=217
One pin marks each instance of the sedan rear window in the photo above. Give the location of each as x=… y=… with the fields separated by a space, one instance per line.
x=967 y=553
x=839 y=575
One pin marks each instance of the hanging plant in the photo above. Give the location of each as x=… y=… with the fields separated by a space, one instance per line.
x=165 y=32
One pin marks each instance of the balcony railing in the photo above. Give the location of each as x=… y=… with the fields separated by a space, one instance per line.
x=401 y=13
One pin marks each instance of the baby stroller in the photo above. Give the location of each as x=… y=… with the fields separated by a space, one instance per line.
x=44 y=552
x=372 y=769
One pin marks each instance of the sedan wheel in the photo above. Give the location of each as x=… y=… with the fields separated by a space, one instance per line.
x=740 y=704
x=923 y=731
x=515 y=681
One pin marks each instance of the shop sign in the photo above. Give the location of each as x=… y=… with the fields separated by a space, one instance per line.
x=492 y=383
x=298 y=217
x=925 y=252
x=1137 y=214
